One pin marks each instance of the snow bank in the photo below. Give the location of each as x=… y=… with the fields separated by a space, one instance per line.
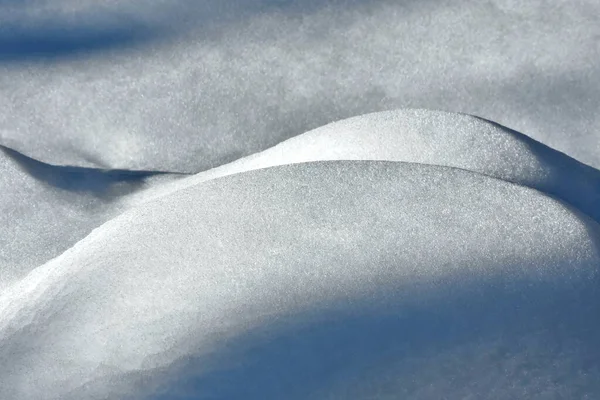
x=270 y=283
x=430 y=137
x=401 y=254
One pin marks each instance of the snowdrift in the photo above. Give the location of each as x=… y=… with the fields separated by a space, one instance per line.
x=181 y=217
x=328 y=279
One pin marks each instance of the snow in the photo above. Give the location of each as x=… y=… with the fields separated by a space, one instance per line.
x=46 y=209
x=189 y=85
x=436 y=138
x=218 y=268
x=237 y=200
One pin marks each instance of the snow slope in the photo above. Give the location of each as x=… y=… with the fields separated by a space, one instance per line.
x=46 y=209
x=207 y=289
x=436 y=138
x=180 y=218
x=80 y=199
x=410 y=252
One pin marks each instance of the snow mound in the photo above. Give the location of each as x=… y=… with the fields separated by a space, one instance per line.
x=431 y=137
x=342 y=279
x=71 y=201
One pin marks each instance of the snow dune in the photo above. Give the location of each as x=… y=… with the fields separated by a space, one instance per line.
x=80 y=199
x=329 y=279
x=181 y=219
x=436 y=138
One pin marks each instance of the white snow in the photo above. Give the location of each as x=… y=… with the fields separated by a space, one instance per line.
x=217 y=269
x=181 y=219
x=188 y=85
x=45 y=209
x=436 y=138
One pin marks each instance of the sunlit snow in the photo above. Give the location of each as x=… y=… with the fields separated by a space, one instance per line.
x=263 y=199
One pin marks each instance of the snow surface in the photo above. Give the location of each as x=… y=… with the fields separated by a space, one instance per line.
x=186 y=85
x=218 y=274
x=168 y=230
x=46 y=209
x=431 y=137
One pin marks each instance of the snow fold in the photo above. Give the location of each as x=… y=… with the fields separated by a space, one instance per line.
x=413 y=253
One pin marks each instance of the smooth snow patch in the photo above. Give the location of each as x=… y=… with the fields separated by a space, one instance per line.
x=193 y=285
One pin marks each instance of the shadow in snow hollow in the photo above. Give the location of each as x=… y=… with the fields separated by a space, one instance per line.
x=79 y=179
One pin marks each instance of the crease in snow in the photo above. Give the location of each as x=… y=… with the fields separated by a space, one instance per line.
x=78 y=179
x=46 y=270
x=433 y=138
x=410 y=135
x=45 y=209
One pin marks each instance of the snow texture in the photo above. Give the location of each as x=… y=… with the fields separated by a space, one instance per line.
x=181 y=219
x=189 y=85
x=229 y=268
